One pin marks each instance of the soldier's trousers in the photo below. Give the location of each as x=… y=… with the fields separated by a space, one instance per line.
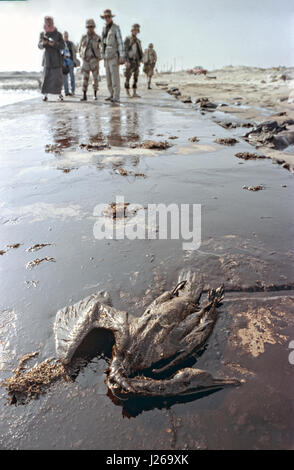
x=133 y=69
x=149 y=69
x=112 y=77
x=88 y=67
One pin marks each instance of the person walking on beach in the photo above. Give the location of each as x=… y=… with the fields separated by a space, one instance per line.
x=90 y=52
x=113 y=55
x=52 y=41
x=149 y=61
x=70 y=62
x=134 y=56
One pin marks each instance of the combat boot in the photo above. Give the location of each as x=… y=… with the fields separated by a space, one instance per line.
x=135 y=95
x=95 y=95
x=128 y=92
x=84 y=97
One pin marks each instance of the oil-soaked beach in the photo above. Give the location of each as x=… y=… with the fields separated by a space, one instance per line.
x=247 y=244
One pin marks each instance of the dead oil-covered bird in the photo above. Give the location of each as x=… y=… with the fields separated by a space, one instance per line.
x=148 y=352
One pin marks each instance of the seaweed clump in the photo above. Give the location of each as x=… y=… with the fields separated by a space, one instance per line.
x=153 y=145
x=254 y=188
x=28 y=384
x=249 y=156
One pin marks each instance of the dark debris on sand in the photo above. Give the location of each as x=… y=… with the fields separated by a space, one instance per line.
x=53 y=148
x=116 y=210
x=205 y=104
x=186 y=99
x=153 y=145
x=12 y=246
x=234 y=125
x=266 y=134
x=226 y=141
x=254 y=188
x=35 y=262
x=38 y=246
x=249 y=156
x=124 y=172
x=174 y=91
x=94 y=146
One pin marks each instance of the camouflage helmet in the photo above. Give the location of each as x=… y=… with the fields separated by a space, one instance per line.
x=90 y=22
x=150 y=45
x=136 y=26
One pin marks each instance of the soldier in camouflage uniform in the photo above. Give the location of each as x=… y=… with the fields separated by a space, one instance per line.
x=149 y=61
x=89 y=51
x=113 y=55
x=134 y=56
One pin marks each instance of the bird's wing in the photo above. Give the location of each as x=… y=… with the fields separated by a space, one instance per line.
x=74 y=323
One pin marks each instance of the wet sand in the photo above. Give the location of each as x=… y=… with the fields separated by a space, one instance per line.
x=247 y=244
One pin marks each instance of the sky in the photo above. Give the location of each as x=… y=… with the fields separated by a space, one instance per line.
x=186 y=33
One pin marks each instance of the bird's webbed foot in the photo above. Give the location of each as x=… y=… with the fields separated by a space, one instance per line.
x=186 y=286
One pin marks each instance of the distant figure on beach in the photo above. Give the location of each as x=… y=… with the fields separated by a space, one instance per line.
x=113 y=55
x=70 y=61
x=134 y=56
x=149 y=61
x=52 y=41
x=90 y=52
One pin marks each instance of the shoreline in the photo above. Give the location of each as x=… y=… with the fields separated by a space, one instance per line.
x=237 y=97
